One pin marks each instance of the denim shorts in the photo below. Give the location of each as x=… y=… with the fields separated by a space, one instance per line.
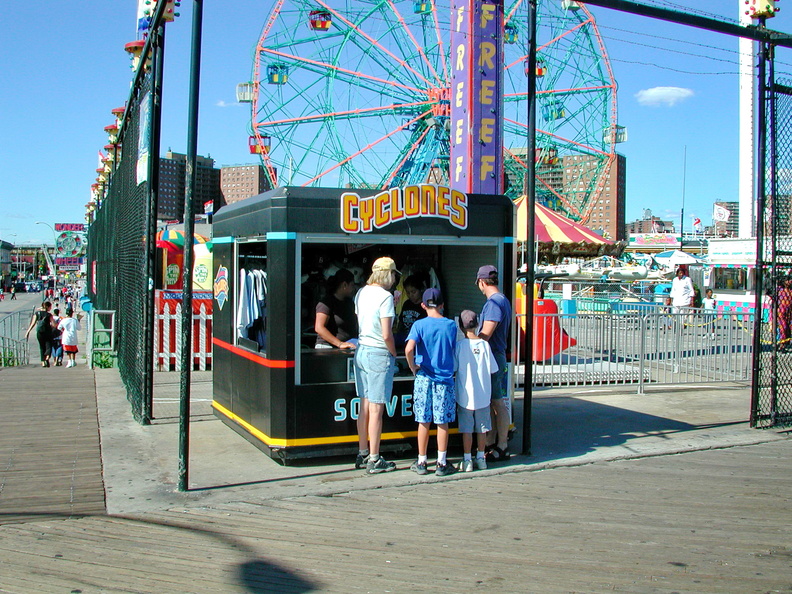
x=500 y=379
x=374 y=371
x=433 y=402
x=474 y=421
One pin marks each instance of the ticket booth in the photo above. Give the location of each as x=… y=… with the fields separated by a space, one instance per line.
x=273 y=255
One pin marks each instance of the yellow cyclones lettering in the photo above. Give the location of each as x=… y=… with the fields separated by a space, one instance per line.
x=363 y=214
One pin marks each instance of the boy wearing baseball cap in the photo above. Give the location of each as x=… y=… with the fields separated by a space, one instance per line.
x=474 y=365
x=433 y=338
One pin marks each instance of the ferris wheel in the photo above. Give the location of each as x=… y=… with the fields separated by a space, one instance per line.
x=355 y=93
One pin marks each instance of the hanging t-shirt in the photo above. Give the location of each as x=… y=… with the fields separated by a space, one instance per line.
x=475 y=363
x=435 y=339
x=372 y=303
x=341 y=319
x=497 y=309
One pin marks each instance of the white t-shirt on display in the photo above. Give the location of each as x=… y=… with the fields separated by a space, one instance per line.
x=372 y=303
x=474 y=364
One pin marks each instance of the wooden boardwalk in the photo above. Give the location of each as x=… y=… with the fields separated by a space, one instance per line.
x=705 y=521
x=50 y=459
x=712 y=521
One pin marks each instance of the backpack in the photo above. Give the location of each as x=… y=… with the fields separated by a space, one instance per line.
x=43 y=326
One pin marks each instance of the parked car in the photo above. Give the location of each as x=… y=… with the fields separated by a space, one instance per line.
x=20 y=287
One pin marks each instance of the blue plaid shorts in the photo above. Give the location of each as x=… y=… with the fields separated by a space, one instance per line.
x=433 y=402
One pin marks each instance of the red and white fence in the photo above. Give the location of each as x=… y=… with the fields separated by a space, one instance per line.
x=167 y=333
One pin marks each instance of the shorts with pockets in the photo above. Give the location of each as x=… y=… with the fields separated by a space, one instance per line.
x=433 y=402
x=374 y=371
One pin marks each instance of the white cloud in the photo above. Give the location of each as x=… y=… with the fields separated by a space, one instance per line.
x=222 y=103
x=669 y=96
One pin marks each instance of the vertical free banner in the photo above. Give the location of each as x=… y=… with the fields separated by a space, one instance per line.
x=477 y=96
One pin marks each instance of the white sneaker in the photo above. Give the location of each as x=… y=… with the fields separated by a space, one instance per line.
x=481 y=464
x=466 y=466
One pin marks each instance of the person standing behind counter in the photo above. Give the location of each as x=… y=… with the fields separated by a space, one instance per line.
x=375 y=361
x=336 y=323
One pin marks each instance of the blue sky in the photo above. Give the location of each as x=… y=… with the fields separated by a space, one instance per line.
x=65 y=70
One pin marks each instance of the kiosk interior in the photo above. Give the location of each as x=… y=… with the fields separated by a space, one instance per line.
x=273 y=255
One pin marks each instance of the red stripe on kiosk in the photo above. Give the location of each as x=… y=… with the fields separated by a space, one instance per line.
x=252 y=357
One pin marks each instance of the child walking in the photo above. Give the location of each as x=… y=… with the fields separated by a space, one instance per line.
x=69 y=327
x=474 y=364
x=434 y=339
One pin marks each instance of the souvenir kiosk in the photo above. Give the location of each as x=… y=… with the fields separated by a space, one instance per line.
x=272 y=256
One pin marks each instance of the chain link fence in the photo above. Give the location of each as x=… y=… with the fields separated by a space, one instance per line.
x=772 y=406
x=118 y=273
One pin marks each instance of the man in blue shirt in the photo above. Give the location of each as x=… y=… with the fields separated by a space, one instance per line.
x=434 y=393
x=495 y=324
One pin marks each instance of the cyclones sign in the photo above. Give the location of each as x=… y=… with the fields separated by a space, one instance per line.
x=363 y=214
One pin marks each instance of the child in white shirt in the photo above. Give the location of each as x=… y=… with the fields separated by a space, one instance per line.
x=474 y=363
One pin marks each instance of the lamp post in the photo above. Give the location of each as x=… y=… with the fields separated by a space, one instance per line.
x=54 y=252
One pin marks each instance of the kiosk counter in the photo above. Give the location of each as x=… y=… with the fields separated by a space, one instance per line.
x=272 y=256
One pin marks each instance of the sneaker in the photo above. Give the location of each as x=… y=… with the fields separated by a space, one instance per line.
x=445 y=469
x=381 y=465
x=466 y=466
x=361 y=461
x=481 y=464
x=419 y=468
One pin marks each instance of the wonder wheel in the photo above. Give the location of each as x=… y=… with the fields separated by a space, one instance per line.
x=356 y=94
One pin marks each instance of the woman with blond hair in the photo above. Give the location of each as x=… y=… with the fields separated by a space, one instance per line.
x=375 y=361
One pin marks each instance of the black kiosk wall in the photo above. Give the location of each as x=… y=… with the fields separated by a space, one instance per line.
x=272 y=256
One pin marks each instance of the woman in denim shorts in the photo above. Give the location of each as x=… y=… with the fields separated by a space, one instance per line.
x=375 y=361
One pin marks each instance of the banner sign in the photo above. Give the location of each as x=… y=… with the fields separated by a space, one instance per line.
x=477 y=96
x=78 y=227
x=61 y=262
x=364 y=214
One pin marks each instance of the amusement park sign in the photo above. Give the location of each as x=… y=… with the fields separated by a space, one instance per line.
x=361 y=214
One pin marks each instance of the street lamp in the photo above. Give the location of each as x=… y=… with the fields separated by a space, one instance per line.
x=54 y=254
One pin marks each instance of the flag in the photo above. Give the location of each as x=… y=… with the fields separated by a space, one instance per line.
x=697 y=225
x=720 y=214
x=655 y=228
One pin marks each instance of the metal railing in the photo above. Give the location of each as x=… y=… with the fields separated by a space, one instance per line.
x=13 y=344
x=639 y=348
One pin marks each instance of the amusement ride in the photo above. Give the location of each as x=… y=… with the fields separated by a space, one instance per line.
x=357 y=94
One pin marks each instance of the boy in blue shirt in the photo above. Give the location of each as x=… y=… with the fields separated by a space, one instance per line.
x=434 y=396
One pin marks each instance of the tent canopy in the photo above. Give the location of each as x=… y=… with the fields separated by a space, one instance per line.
x=553 y=227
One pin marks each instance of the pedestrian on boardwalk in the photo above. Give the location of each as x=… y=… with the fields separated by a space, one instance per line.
x=69 y=327
x=682 y=292
x=784 y=315
x=42 y=320
x=495 y=320
x=57 y=346
x=474 y=364
x=375 y=361
x=13 y=293
x=710 y=307
x=433 y=338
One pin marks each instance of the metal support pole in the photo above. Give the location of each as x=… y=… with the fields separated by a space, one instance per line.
x=530 y=236
x=155 y=121
x=760 y=215
x=191 y=176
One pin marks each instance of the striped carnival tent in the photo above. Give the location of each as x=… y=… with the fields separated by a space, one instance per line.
x=559 y=237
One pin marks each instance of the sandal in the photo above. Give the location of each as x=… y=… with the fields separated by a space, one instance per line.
x=496 y=454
